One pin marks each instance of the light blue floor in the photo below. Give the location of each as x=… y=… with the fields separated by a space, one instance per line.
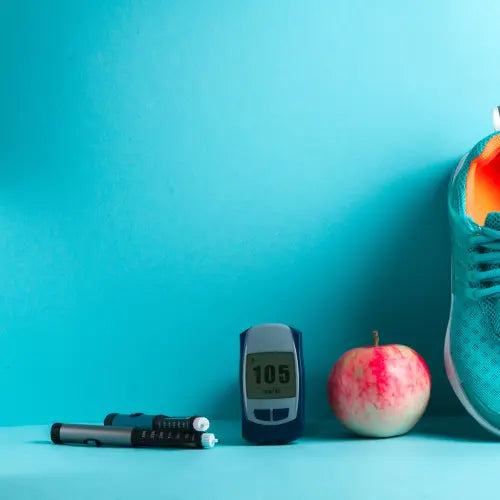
x=448 y=458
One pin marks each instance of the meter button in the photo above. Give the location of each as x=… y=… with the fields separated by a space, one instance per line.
x=262 y=414
x=280 y=414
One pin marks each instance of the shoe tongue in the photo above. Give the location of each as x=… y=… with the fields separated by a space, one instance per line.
x=493 y=220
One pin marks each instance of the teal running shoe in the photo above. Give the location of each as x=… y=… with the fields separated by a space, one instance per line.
x=472 y=345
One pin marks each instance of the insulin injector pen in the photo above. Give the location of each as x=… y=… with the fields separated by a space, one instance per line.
x=158 y=422
x=100 y=435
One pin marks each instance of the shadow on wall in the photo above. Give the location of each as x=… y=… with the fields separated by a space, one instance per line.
x=402 y=284
x=408 y=293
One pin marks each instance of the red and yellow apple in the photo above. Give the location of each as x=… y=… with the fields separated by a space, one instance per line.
x=379 y=391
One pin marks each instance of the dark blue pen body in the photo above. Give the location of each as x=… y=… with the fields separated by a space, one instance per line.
x=156 y=422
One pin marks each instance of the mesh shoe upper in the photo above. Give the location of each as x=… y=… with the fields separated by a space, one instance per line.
x=475 y=317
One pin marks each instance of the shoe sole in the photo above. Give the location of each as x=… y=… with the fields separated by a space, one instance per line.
x=456 y=384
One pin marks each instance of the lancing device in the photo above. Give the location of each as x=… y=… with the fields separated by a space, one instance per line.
x=157 y=422
x=101 y=435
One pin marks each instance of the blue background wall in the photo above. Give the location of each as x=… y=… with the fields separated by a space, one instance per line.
x=174 y=172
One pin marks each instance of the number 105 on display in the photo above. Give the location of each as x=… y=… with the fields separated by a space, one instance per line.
x=270 y=375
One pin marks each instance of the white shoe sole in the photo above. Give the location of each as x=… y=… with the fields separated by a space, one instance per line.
x=457 y=385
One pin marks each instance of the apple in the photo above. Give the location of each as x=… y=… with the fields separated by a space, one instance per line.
x=379 y=391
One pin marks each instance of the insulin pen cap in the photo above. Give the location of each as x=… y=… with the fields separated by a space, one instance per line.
x=201 y=424
x=208 y=440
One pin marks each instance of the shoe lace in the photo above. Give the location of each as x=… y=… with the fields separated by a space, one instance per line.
x=486 y=257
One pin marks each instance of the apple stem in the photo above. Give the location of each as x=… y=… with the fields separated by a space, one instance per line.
x=375 y=338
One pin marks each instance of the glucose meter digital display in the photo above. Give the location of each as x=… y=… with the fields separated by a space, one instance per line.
x=271 y=383
x=271 y=375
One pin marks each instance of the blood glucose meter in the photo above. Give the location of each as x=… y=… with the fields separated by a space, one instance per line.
x=271 y=383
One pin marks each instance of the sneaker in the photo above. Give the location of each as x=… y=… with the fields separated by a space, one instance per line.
x=472 y=345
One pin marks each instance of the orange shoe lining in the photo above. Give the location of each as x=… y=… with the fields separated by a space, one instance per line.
x=482 y=188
